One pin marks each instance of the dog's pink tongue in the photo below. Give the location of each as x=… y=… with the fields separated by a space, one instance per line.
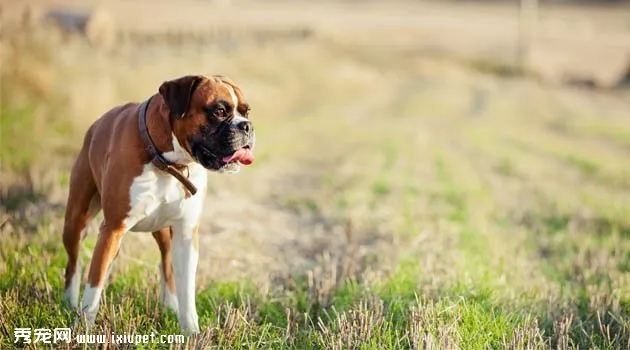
x=243 y=156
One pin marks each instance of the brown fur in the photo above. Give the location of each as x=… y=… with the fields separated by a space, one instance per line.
x=163 y=238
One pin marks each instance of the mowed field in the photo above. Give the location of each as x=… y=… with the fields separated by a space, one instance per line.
x=405 y=194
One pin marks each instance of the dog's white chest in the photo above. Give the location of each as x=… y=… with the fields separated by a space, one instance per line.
x=158 y=200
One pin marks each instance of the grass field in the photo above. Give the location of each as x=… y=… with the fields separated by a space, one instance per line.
x=398 y=199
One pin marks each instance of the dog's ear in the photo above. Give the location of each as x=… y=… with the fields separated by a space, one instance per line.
x=177 y=93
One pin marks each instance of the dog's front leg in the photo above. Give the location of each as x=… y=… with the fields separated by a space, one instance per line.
x=185 y=256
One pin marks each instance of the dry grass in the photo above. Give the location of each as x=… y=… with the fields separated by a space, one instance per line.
x=399 y=199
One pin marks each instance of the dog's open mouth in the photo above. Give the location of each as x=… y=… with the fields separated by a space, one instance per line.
x=226 y=163
x=243 y=155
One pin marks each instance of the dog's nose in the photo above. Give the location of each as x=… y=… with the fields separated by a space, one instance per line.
x=244 y=125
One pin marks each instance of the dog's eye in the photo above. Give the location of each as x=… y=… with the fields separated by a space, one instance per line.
x=219 y=113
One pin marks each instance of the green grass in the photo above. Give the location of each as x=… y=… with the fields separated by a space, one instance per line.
x=237 y=316
x=393 y=313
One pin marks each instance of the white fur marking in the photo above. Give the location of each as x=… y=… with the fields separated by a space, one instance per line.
x=179 y=154
x=234 y=100
x=91 y=301
x=168 y=299
x=158 y=199
x=185 y=258
x=72 y=292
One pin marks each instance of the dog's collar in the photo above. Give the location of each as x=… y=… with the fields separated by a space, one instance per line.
x=156 y=158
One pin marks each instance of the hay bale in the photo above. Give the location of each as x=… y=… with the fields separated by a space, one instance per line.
x=97 y=26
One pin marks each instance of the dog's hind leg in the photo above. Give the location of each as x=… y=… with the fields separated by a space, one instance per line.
x=167 y=291
x=83 y=204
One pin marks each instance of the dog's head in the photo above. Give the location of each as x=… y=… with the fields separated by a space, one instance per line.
x=210 y=119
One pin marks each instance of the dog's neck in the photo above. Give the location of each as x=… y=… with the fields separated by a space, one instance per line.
x=159 y=127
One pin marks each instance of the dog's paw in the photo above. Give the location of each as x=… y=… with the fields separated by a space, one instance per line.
x=190 y=327
x=191 y=332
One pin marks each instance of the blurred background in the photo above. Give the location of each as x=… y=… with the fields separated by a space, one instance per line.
x=445 y=149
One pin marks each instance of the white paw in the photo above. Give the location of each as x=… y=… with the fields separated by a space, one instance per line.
x=169 y=301
x=190 y=325
x=71 y=294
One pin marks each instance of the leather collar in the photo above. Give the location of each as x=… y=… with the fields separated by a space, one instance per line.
x=156 y=157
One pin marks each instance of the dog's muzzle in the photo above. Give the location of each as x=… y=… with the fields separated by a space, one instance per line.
x=228 y=148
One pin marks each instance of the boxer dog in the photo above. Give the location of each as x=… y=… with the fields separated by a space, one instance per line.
x=145 y=166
